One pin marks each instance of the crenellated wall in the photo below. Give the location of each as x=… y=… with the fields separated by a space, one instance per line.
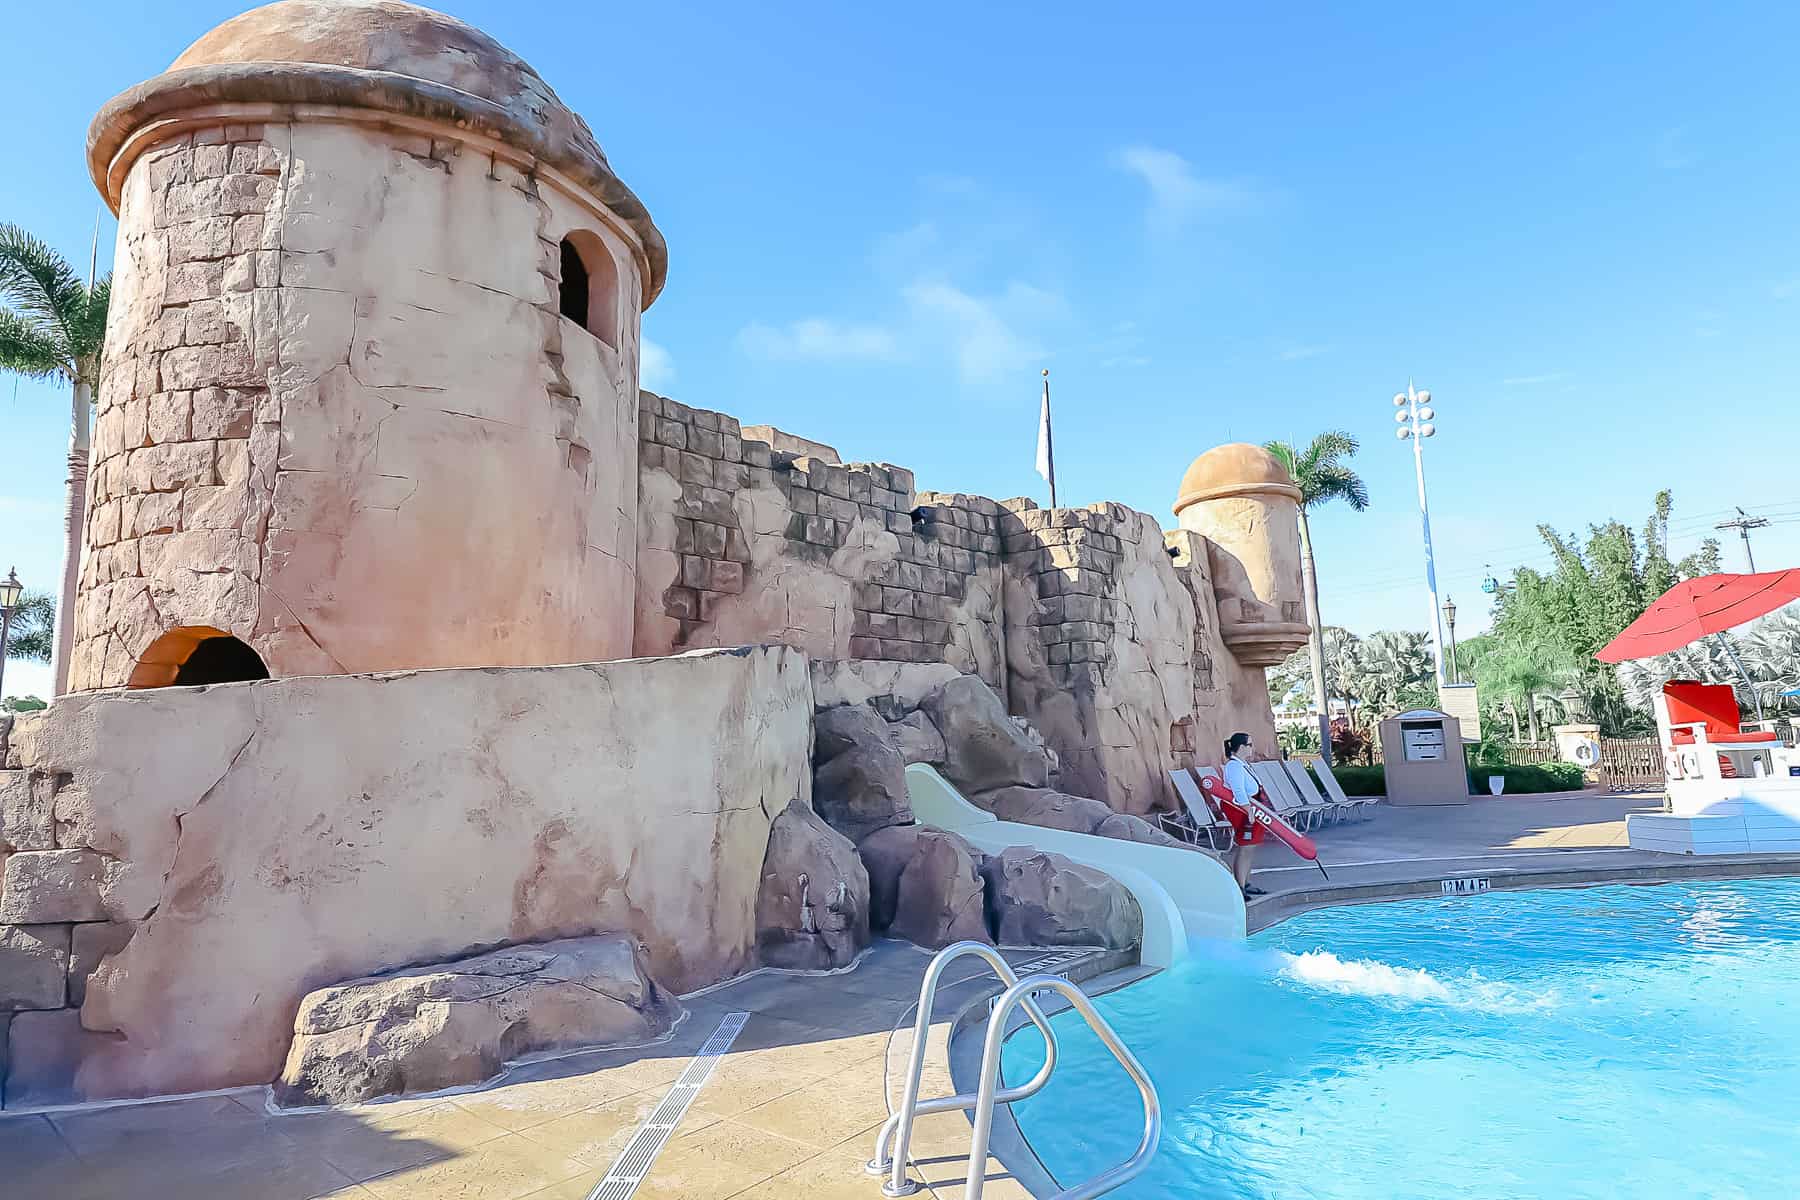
x=1084 y=620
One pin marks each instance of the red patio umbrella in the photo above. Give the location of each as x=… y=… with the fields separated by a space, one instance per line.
x=1695 y=608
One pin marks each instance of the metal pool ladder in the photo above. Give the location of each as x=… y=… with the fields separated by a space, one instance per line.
x=894 y=1139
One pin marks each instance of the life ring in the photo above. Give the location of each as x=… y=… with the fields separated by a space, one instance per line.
x=1587 y=752
x=1672 y=765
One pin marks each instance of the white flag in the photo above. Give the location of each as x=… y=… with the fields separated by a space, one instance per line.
x=1043 y=455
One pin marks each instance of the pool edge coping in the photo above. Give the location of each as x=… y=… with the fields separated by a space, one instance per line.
x=1271 y=910
x=1014 y=1150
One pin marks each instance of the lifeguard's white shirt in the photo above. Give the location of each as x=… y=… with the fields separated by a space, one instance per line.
x=1238 y=778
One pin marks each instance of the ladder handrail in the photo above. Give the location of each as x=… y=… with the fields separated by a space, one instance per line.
x=1020 y=993
x=895 y=1137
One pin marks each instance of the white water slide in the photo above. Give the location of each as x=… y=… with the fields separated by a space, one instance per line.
x=1182 y=893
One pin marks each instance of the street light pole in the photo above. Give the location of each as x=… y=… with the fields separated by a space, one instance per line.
x=1450 y=620
x=1415 y=417
x=10 y=591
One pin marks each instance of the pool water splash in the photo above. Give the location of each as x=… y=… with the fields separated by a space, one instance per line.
x=1568 y=1045
x=1325 y=971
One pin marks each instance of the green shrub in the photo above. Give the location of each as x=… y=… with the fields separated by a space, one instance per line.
x=1520 y=781
x=1360 y=781
x=1526 y=781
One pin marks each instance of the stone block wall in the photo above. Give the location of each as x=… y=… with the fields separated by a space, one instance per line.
x=1079 y=618
x=341 y=414
x=184 y=386
x=182 y=865
x=742 y=542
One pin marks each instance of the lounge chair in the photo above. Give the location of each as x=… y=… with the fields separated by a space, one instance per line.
x=1359 y=805
x=1197 y=820
x=1309 y=791
x=1289 y=805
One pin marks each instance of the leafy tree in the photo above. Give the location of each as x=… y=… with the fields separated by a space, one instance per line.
x=28 y=635
x=1769 y=649
x=1549 y=624
x=52 y=325
x=1319 y=471
x=22 y=704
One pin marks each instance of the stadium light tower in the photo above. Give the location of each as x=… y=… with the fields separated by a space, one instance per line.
x=1415 y=416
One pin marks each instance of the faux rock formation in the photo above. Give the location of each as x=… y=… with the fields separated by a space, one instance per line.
x=1041 y=806
x=812 y=912
x=983 y=748
x=1128 y=828
x=1077 y=814
x=918 y=739
x=924 y=885
x=860 y=783
x=435 y=1027
x=1035 y=898
x=846 y=727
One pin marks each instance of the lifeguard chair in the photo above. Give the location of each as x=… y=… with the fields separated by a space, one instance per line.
x=1703 y=736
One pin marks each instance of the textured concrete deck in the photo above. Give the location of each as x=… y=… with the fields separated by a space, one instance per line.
x=1514 y=841
x=791 y=1111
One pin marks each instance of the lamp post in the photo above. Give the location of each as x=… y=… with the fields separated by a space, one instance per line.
x=1450 y=620
x=10 y=591
x=1415 y=418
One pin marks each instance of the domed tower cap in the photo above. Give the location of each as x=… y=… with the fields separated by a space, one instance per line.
x=380 y=55
x=1235 y=469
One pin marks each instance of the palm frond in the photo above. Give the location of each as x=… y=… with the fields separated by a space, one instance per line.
x=1341 y=483
x=40 y=283
x=26 y=349
x=28 y=636
x=1282 y=453
x=89 y=337
x=1325 y=449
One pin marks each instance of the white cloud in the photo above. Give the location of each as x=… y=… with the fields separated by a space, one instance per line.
x=818 y=339
x=1532 y=380
x=656 y=369
x=1177 y=194
x=984 y=333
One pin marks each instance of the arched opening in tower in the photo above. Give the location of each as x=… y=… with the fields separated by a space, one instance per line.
x=194 y=655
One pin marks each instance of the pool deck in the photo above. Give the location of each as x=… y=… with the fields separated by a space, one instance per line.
x=793 y=1107
x=790 y=1111
x=1566 y=839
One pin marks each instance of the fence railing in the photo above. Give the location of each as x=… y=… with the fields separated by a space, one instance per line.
x=1631 y=764
x=1530 y=754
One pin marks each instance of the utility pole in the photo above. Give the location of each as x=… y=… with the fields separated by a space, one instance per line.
x=1744 y=524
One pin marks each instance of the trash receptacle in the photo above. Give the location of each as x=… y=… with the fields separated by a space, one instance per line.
x=1422 y=754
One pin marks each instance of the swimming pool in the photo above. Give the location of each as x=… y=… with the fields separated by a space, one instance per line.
x=1613 y=1041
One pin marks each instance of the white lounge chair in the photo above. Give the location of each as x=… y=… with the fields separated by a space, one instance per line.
x=1309 y=791
x=1290 y=806
x=1197 y=820
x=1363 y=806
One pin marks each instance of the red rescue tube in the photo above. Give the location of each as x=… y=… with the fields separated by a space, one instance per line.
x=1251 y=819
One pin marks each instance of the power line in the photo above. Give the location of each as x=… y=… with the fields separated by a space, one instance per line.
x=1744 y=524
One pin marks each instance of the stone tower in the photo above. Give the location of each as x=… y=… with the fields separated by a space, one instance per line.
x=1244 y=503
x=371 y=388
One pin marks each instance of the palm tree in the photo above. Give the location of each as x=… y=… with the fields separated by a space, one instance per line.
x=1521 y=675
x=28 y=634
x=53 y=326
x=1320 y=474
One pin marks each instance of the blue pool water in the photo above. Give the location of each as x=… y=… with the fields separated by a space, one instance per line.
x=1608 y=1042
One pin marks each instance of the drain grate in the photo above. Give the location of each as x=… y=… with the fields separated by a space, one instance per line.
x=1050 y=964
x=628 y=1170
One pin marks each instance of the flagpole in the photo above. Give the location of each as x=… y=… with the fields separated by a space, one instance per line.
x=1049 y=439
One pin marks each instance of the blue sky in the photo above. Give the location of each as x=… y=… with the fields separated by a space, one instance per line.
x=1575 y=227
